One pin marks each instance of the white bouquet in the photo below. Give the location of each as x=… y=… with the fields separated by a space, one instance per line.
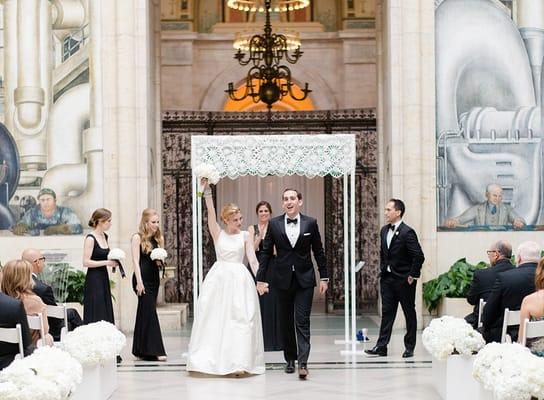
x=158 y=253
x=447 y=335
x=209 y=172
x=510 y=370
x=94 y=343
x=118 y=255
x=47 y=374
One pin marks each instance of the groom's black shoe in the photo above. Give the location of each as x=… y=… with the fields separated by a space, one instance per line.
x=290 y=367
x=408 y=354
x=377 y=351
x=302 y=371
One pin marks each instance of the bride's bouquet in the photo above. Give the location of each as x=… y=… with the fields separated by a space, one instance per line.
x=158 y=255
x=118 y=255
x=208 y=172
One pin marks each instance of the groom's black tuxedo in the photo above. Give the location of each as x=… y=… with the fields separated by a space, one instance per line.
x=294 y=278
x=287 y=257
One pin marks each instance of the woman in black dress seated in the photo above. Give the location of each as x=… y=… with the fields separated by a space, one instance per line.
x=97 y=305
x=147 y=344
x=269 y=307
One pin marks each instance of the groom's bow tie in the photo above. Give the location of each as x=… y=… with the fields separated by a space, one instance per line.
x=292 y=221
x=392 y=227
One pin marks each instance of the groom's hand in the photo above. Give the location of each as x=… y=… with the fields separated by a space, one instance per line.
x=262 y=288
x=323 y=286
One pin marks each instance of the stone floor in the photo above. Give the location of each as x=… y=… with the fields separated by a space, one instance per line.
x=332 y=375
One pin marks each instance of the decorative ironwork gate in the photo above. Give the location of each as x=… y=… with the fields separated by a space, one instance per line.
x=179 y=126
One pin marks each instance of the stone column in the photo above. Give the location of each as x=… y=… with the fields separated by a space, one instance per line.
x=406 y=118
x=130 y=129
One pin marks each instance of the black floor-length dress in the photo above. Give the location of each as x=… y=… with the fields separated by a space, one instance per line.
x=147 y=343
x=97 y=304
x=269 y=307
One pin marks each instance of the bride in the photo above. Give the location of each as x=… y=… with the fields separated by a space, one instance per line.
x=227 y=335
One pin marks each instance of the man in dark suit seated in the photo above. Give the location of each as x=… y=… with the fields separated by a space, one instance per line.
x=45 y=292
x=12 y=312
x=499 y=255
x=508 y=291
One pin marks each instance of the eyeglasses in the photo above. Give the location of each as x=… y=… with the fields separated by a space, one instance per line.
x=39 y=259
x=492 y=251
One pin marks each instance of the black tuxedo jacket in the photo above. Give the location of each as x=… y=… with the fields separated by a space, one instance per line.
x=508 y=291
x=481 y=286
x=287 y=256
x=12 y=312
x=45 y=292
x=404 y=256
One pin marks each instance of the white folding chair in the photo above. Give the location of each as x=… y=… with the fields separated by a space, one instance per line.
x=532 y=329
x=13 y=335
x=36 y=322
x=511 y=318
x=59 y=312
x=481 y=312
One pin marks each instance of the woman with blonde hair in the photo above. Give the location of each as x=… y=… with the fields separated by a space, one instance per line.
x=532 y=308
x=147 y=343
x=227 y=335
x=17 y=282
x=97 y=304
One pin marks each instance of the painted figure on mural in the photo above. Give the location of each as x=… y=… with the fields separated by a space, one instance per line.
x=490 y=212
x=48 y=217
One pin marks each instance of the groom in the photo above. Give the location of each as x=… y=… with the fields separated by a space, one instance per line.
x=295 y=237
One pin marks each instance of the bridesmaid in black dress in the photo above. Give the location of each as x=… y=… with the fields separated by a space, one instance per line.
x=97 y=304
x=147 y=344
x=269 y=308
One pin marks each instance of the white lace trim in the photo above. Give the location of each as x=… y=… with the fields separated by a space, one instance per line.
x=278 y=155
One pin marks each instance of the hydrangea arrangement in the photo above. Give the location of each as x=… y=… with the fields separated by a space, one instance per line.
x=47 y=374
x=510 y=370
x=449 y=335
x=94 y=343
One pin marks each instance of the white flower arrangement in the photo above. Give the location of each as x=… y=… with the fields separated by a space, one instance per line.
x=47 y=374
x=447 y=335
x=158 y=253
x=209 y=172
x=510 y=370
x=94 y=343
x=118 y=255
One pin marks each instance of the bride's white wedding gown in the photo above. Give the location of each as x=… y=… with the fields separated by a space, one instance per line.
x=227 y=335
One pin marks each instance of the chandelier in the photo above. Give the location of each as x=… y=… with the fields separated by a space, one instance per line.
x=257 y=5
x=267 y=80
x=242 y=40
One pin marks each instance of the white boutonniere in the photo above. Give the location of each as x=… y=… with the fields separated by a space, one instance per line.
x=396 y=233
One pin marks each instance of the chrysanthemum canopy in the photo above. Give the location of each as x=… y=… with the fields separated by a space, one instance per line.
x=277 y=155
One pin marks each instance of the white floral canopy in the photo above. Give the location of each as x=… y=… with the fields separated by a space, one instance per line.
x=279 y=155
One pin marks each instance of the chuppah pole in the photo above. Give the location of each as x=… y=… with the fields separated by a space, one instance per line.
x=352 y=260
x=195 y=242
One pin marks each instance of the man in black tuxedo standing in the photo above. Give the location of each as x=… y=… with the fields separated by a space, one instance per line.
x=499 y=255
x=508 y=291
x=45 y=292
x=401 y=258
x=294 y=237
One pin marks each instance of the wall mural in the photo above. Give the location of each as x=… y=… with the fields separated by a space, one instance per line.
x=51 y=166
x=489 y=131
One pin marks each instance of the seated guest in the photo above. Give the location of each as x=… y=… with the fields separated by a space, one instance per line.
x=17 y=282
x=499 y=255
x=508 y=291
x=45 y=292
x=12 y=312
x=532 y=308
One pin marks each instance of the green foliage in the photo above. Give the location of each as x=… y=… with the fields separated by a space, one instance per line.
x=454 y=283
x=68 y=283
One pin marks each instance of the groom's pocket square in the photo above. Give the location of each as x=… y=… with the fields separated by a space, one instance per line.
x=307 y=234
